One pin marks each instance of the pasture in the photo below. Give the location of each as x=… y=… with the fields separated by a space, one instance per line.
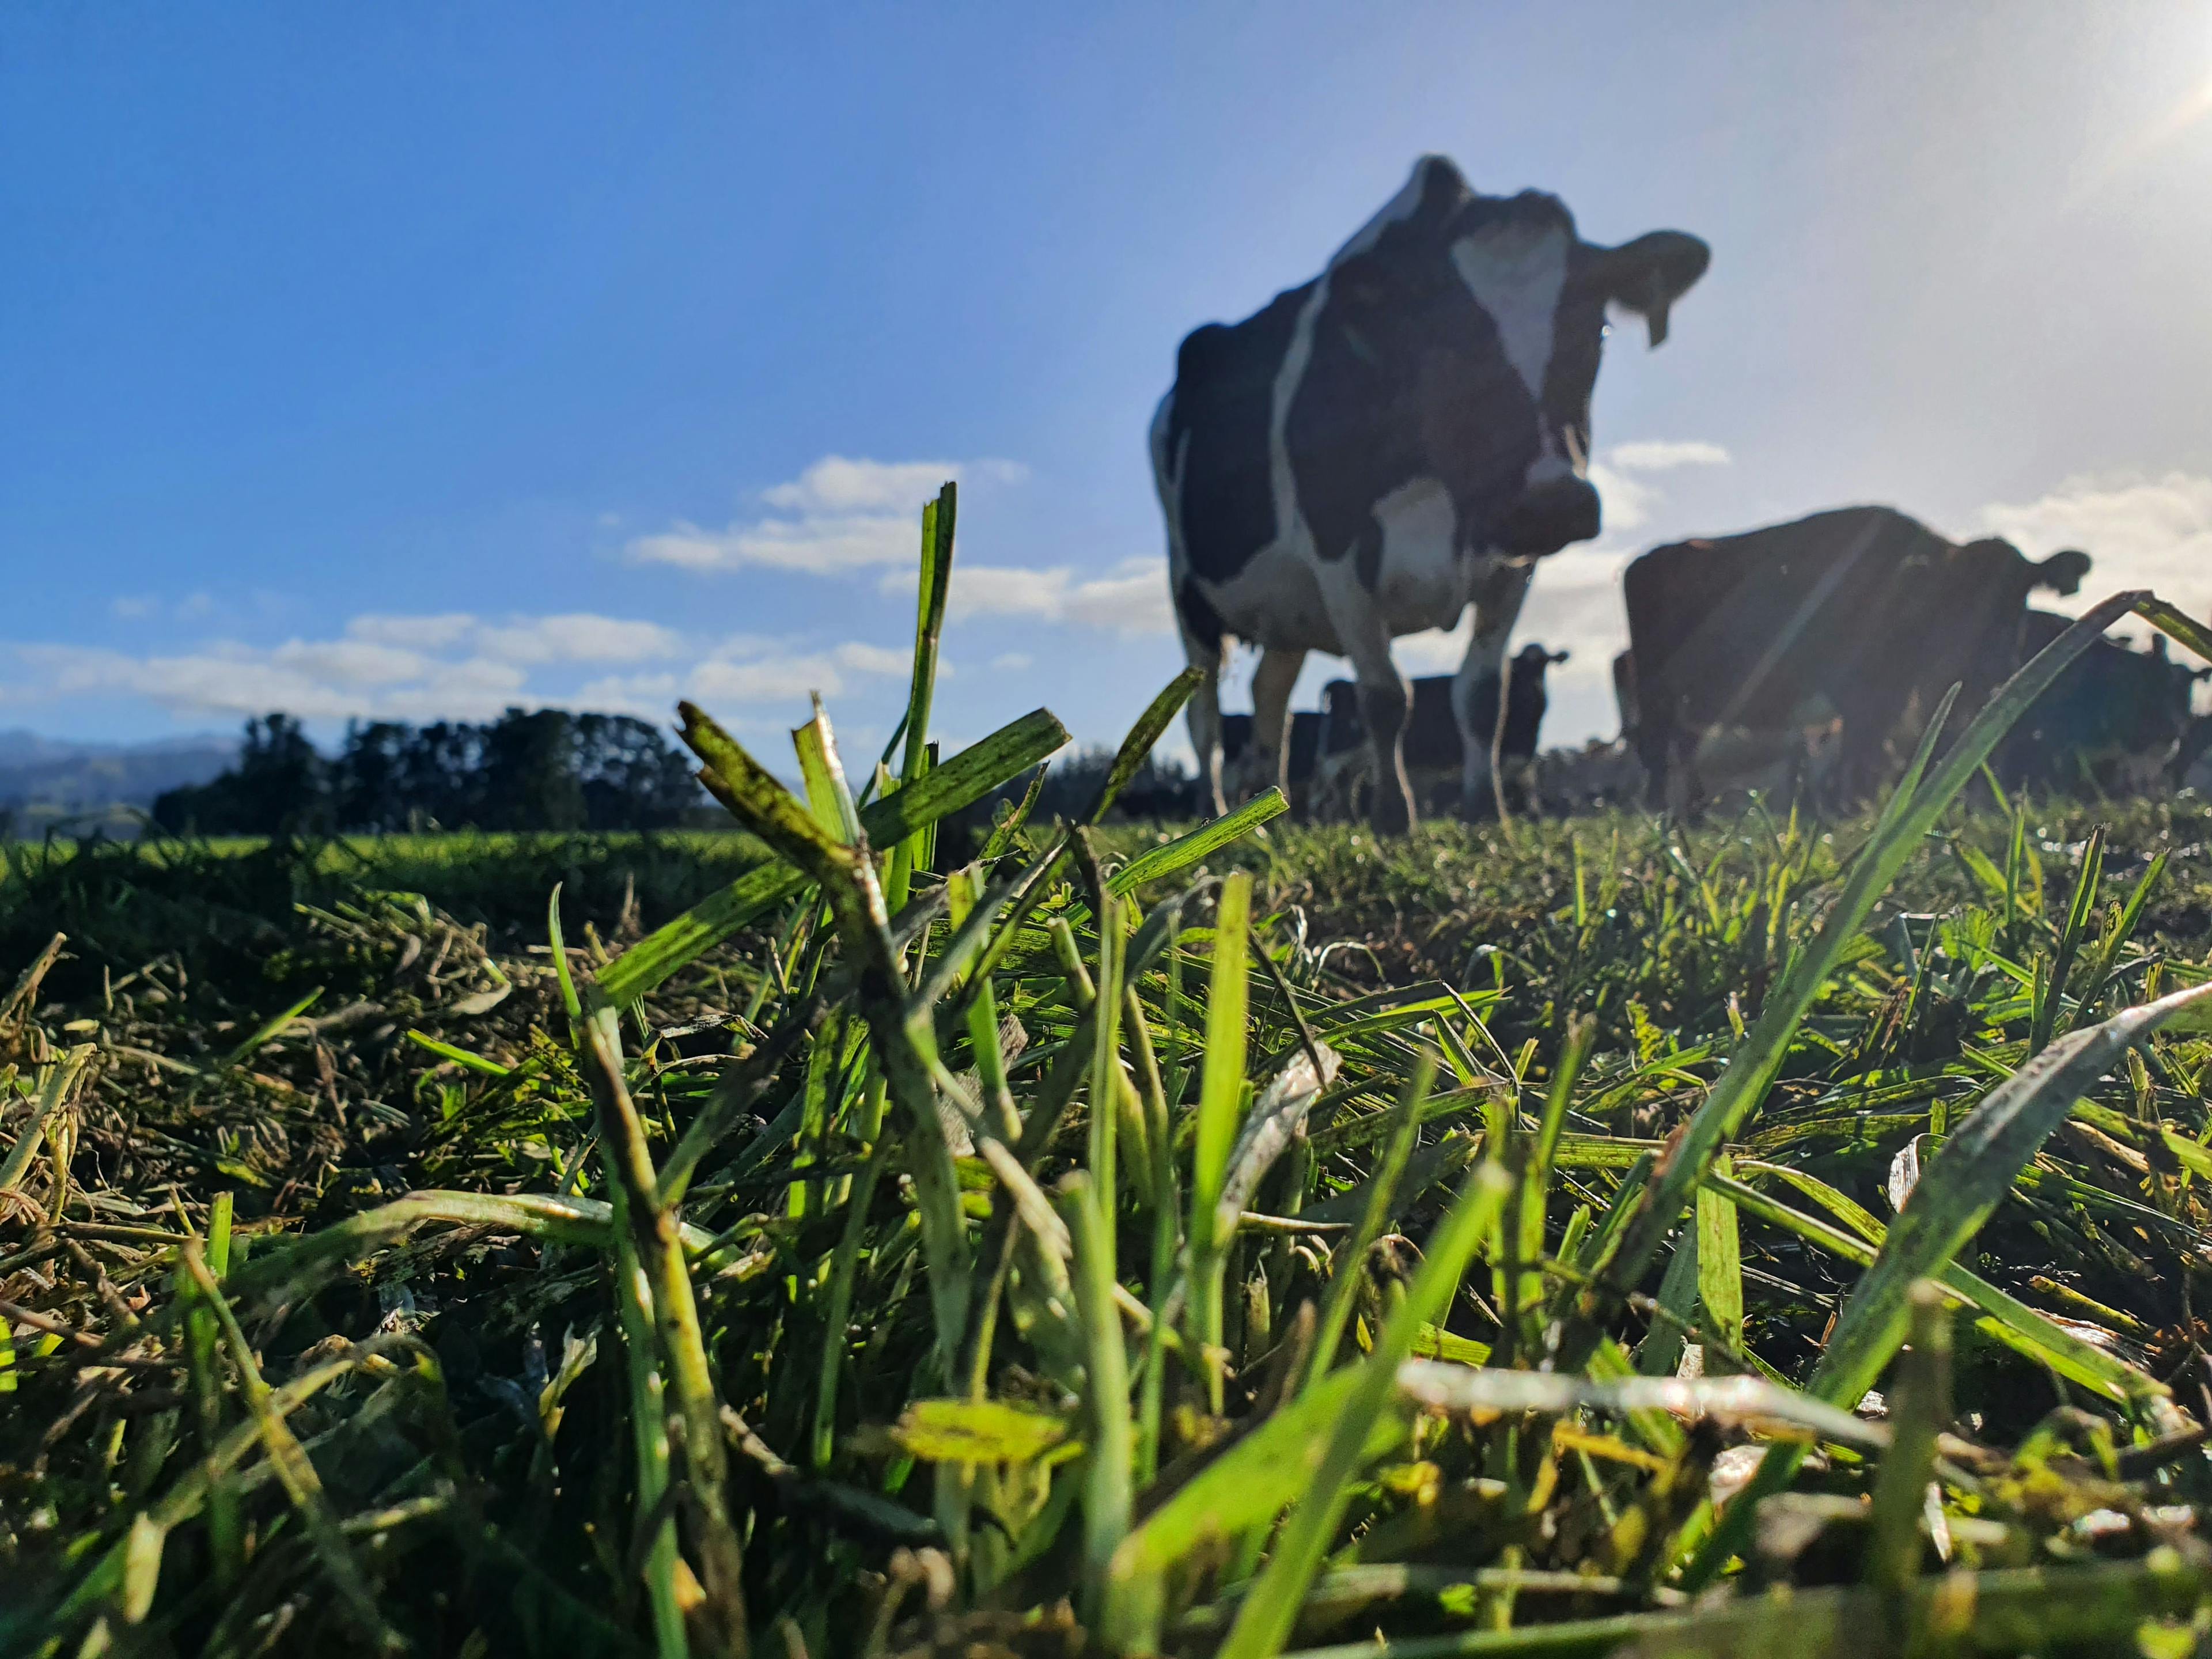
x=1232 y=1238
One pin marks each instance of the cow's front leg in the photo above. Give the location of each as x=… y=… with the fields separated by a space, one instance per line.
x=1362 y=634
x=1273 y=681
x=1497 y=600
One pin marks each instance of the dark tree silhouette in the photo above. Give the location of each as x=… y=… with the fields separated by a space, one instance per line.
x=530 y=769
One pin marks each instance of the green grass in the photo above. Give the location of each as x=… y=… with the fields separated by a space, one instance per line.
x=1208 y=1239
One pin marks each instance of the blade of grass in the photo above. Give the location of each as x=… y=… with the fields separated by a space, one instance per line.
x=1536 y=1179
x=1265 y=1619
x=1106 y=1492
x=681 y=1344
x=904 y=1039
x=1912 y=810
x=1221 y=1094
x=2006 y=1319
x=1246 y=1487
x=2051 y=989
x=270 y=1031
x=911 y=851
x=55 y=1081
x=294 y=1469
x=1920 y=1411
x=1461 y=1390
x=1185 y=850
x=1720 y=1260
x=2121 y=929
x=2095 y=1608
x=966 y=778
x=1142 y=737
x=2169 y=621
x=1955 y=1195
x=1350 y=1259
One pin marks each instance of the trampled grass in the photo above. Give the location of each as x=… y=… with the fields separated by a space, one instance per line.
x=1229 y=1239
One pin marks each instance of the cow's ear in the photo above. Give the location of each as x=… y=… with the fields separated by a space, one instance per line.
x=1648 y=274
x=1558 y=656
x=1438 y=185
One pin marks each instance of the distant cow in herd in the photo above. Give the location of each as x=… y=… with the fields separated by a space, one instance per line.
x=2116 y=719
x=1860 y=616
x=1329 y=766
x=1381 y=446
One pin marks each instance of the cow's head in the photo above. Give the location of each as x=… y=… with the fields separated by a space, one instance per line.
x=2064 y=573
x=1488 y=313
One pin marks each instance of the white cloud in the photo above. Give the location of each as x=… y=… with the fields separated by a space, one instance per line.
x=1131 y=600
x=343 y=662
x=824 y=546
x=749 y=675
x=573 y=637
x=771 y=679
x=448 y=665
x=193 y=607
x=837 y=484
x=1011 y=662
x=883 y=659
x=2139 y=532
x=1663 y=454
x=577 y=637
x=1629 y=498
x=839 y=515
x=328 y=679
x=433 y=633
x=647 y=696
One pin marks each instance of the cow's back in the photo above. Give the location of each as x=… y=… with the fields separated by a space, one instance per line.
x=1753 y=628
x=1219 y=415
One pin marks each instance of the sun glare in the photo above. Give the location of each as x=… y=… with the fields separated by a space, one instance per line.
x=2144 y=143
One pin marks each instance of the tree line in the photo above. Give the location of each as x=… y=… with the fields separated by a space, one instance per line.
x=541 y=769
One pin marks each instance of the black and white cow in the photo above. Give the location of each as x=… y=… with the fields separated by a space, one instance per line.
x=1383 y=445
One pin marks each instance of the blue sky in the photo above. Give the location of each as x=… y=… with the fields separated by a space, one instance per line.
x=416 y=361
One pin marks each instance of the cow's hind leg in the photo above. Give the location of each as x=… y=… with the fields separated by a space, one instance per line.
x=1655 y=747
x=1384 y=703
x=1204 y=715
x=1498 y=604
x=1272 y=683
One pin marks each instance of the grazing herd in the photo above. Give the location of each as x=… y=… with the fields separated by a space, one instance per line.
x=1326 y=760
x=1409 y=435
x=1860 y=616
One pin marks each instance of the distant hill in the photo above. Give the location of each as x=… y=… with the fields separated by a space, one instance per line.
x=45 y=779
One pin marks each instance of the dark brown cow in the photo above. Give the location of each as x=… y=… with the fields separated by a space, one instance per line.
x=2115 y=720
x=1860 y=613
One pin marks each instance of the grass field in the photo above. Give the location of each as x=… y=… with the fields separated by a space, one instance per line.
x=1228 y=1239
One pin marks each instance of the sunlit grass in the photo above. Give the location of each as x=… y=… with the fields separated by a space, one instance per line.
x=1191 y=1239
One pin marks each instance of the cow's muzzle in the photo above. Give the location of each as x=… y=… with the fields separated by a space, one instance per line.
x=1549 y=517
